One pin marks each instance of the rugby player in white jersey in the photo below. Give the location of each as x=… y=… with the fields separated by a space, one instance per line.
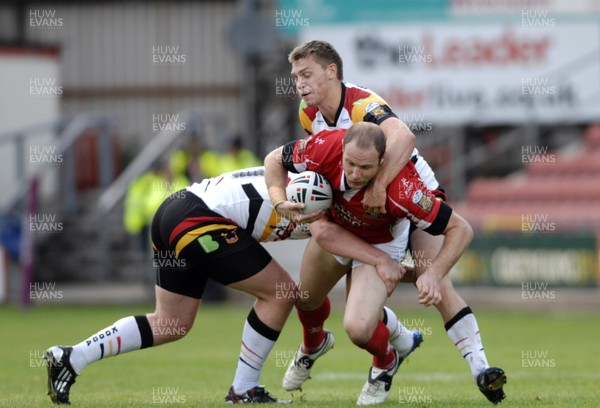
x=211 y=229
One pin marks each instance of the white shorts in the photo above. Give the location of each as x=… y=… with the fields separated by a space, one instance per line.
x=425 y=171
x=395 y=248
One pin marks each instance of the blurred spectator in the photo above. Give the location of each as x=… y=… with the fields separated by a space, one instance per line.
x=208 y=162
x=134 y=207
x=10 y=234
x=144 y=196
x=195 y=161
x=238 y=157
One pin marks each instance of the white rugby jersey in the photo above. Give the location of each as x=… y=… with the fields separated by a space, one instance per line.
x=242 y=196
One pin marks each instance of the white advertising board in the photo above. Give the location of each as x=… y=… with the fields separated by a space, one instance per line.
x=454 y=73
x=31 y=96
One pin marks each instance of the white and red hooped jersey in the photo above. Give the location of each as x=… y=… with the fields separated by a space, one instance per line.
x=242 y=196
x=357 y=104
x=408 y=197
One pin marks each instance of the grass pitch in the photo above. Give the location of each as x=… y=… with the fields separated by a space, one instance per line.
x=551 y=360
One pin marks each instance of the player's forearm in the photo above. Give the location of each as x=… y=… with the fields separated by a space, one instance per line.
x=275 y=176
x=339 y=241
x=400 y=143
x=457 y=237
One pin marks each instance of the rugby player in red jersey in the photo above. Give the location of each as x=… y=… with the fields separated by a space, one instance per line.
x=350 y=160
x=330 y=103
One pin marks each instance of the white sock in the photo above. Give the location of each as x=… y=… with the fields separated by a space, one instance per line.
x=127 y=334
x=257 y=341
x=400 y=337
x=464 y=333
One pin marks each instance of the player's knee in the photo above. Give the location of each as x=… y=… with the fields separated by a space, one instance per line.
x=170 y=328
x=306 y=302
x=446 y=286
x=283 y=293
x=184 y=326
x=359 y=332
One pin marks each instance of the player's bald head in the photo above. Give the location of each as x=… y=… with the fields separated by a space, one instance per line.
x=365 y=135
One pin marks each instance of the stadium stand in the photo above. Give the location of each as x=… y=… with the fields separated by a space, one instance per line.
x=561 y=189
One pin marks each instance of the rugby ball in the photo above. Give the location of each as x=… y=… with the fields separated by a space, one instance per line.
x=311 y=189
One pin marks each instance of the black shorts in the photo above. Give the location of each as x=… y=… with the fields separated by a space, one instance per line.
x=191 y=243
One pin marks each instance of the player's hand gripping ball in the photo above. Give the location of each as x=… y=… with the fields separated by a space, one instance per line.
x=311 y=189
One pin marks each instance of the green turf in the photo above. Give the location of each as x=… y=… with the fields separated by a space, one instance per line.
x=198 y=370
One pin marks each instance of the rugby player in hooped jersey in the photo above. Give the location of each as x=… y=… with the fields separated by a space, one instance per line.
x=349 y=160
x=329 y=103
x=212 y=230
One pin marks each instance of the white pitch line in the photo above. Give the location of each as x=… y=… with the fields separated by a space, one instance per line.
x=418 y=377
x=438 y=376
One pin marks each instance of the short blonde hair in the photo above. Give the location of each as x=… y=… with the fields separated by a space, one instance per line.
x=323 y=52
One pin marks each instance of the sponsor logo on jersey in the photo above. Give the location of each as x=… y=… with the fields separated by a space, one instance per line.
x=208 y=244
x=302 y=145
x=375 y=215
x=372 y=106
x=375 y=109
x=422 y=200
x=230 y=236
x=417 y=196
x=347 y=217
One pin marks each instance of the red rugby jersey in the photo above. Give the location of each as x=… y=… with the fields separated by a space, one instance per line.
x=408 y=197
